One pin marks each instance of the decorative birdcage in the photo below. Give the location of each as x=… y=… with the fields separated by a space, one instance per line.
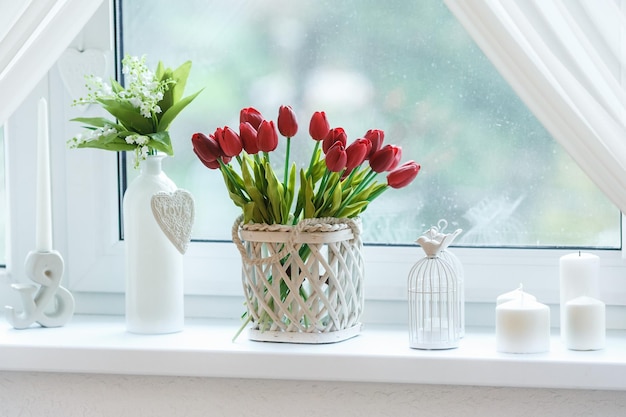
x=434 y=316
x=437 y=233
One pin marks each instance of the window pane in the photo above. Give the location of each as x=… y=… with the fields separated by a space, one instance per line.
x=406 y=67
x=3 y=202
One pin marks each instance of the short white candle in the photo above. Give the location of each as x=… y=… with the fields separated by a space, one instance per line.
x=43 y=223
x=522 y=326
x=578 y=274
x=586 y=324
x=516 y=294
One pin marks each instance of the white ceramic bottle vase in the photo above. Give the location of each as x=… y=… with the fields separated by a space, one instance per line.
x=154 y=267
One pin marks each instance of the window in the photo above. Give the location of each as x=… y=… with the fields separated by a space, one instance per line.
x=479 y=123
x=3 y=199
x=406 y=67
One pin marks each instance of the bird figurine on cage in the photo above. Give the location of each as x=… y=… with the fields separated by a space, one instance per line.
x=433 y=295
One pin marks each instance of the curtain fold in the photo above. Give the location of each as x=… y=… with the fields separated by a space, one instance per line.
x=35 y=33
x=567 y=62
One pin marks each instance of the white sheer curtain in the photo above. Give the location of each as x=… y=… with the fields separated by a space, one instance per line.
x=566 y=59
x=33 y=34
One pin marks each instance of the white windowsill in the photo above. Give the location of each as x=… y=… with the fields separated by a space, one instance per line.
x=100 y=344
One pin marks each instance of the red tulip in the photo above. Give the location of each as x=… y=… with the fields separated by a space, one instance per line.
x=229 y=141
x=267 y=137
x=319 y=126
x=403 y=175
x=357 y=151
x=336 y=157
x=252 y=116
x=386 y=158
x=287 y=122
x=248 y=138
x=396 y=159
x=207 y=148
x=334 y=135
x=209 y=164
x=376 y=137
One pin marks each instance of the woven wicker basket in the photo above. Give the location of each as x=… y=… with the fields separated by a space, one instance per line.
x=303 y=283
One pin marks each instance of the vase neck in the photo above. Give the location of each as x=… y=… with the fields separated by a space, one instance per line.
x=152 y=165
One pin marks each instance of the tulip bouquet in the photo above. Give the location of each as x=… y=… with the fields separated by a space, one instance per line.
x=339 y=181
x=143 y=110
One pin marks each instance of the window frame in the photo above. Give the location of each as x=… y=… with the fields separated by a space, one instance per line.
x=86 y=232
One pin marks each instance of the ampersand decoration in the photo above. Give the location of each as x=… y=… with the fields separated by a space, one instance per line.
x=50 y=305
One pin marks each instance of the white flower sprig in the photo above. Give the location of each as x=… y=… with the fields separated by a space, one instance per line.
x=144 y=109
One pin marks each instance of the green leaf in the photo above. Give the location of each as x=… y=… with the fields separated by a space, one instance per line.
x=353 y=209
x=160 y=70
x=289 y=192
x=168 y=116
x=161 y=142
x=97 y=122
x=180 y=74
x=128 y=116
x=308 y=206
x=274 y=194
x=116 y=87
x=255 y=195
x=114 y=144
x=168 y=94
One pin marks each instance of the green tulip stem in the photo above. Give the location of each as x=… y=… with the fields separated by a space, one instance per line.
x=317 y=146
x=369 y=177
x=323 y=183
x=286 y=175
x=224 y=168
x=329 y=201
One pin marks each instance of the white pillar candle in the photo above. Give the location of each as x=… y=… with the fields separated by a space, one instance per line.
x=516 y=294
x=43 y=223
x=522 y=326
x=586 y=324
x=578 y=274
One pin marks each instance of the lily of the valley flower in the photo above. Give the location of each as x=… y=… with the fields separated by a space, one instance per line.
x=143 y=109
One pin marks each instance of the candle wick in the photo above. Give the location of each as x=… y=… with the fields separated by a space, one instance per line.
x=579 y=254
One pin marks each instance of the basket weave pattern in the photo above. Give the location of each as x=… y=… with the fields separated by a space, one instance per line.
x=306 y=278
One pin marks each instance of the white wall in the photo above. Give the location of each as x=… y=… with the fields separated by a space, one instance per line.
x=70 y=395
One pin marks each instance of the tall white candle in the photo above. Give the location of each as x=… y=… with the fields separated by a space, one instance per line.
x=578 y=276
x=586 y=324
x=43 y=201
x=522 y=326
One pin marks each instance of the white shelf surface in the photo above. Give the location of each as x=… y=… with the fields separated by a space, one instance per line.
x=100 y=344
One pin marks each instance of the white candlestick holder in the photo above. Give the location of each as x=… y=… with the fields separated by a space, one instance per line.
x=48 y=304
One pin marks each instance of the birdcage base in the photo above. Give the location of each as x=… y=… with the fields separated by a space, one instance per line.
x=304 y=337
